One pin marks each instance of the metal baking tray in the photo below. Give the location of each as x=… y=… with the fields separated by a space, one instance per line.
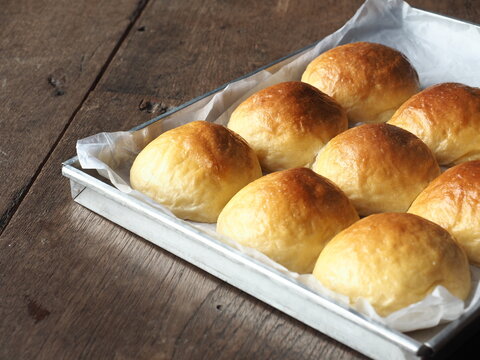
x=255 y=278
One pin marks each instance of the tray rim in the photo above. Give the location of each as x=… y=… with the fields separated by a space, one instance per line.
x=397 y=337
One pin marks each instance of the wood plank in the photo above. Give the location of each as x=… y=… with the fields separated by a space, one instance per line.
x=73 y=285
x=51 y=53
x=200 y=46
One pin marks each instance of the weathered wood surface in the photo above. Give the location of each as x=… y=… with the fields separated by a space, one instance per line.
x=51 y=53
x=73 y=285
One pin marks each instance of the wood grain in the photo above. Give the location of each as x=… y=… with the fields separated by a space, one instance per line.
x=73 y=285
x=51 y=53
x=201 y=45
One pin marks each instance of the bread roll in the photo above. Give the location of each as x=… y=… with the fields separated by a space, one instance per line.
x=287 y=124
x=289 y=216
x=195 y=169
x=369 y=80
x=447 y=118
x=380 y=167
x=453 y=201
x=393 y=260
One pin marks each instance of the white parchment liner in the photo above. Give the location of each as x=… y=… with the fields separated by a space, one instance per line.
x=441 y=50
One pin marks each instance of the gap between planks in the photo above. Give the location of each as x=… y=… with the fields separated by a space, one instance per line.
x=8 y=215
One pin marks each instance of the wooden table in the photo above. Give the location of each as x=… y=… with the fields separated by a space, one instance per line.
x=73 y=285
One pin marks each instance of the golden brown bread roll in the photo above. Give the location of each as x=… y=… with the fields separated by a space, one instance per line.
x=289 y=216
x=287 y=124
x=369 y=80
x=195 y=169
x=393 y=260
x=453 y=201
x=380 y=167
x=447 y=118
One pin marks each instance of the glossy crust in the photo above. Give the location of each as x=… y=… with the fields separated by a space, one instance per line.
x=369 y=80
x=380 y=167
x=195 y=169
x=447 y=118
x=288 y=123
x=288 y=215
x=453 y=201
x=393 y=260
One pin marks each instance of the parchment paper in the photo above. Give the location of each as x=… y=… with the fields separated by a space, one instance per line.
x=440 y=49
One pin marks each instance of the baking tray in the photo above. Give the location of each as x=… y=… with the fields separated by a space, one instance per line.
x=255 y=278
